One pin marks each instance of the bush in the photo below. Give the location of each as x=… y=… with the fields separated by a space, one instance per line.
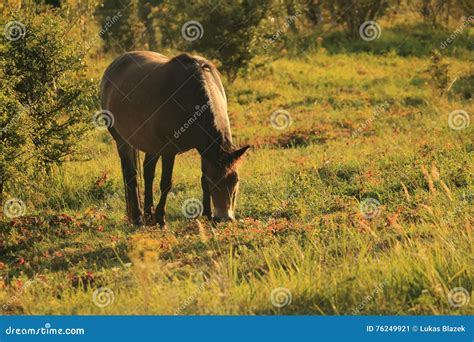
x=353 y=13
x=438 y=71
x=13 y=135
x=45 y=96
x=434 y=12
x=125 y=31
x=463 y=88
x=224 y=31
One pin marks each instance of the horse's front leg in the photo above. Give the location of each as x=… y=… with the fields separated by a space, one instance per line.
x=167 y=162
x=206 y=197
x=149 y=166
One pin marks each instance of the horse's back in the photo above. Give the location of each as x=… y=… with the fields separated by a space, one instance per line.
x=133 y=90
x=151 y=96
x=118 y=73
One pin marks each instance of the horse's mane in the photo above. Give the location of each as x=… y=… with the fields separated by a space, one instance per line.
x=213 y=94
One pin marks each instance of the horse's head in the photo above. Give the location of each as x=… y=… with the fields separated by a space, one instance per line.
x=223 y=180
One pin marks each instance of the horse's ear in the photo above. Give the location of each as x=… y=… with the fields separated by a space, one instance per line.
x=238 y=153
x=230 y=159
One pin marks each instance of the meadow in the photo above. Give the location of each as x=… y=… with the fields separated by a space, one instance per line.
x=356 y=199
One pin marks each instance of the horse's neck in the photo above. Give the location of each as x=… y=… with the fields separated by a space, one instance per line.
x=219 y=137
x=215 y=142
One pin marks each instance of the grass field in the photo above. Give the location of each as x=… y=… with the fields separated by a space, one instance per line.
x=362 y=204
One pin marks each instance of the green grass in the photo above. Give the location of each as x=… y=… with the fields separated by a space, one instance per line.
x=299 y=221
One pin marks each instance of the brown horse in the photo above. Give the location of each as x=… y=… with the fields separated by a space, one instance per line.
x=165 y=106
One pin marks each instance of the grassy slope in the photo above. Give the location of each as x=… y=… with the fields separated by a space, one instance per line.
x=300 y=226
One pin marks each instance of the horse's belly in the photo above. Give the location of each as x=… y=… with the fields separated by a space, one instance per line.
x=139 y=135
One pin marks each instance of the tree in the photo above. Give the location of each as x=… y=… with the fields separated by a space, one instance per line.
x=46 y=98
x=222 y=30
x=145 y=13
x=432 y=9
x=122 y=28
x=14 y=147
x=353 y=13
x=313 y=11
x=439 y=72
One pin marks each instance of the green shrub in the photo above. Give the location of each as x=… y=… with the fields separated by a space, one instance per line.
x=122 y=27
x=352 y=14
x=438 y=71
x=46 y=98
x=224 y=31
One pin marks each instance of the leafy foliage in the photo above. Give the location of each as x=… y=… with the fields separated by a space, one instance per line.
x=352 y=13
x=47 y=95
x=365 y=124
x=229 y=29
x=13 y=134
x=122 y=28
x=438 y=71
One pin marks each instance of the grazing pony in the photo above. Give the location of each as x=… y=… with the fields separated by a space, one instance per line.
x=165 y=106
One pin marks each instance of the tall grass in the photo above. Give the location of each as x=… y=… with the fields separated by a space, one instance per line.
x=300 y=226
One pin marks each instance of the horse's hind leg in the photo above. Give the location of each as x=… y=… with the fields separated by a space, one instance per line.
x=167 y=162
x=128 y=158
x=149 y=166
